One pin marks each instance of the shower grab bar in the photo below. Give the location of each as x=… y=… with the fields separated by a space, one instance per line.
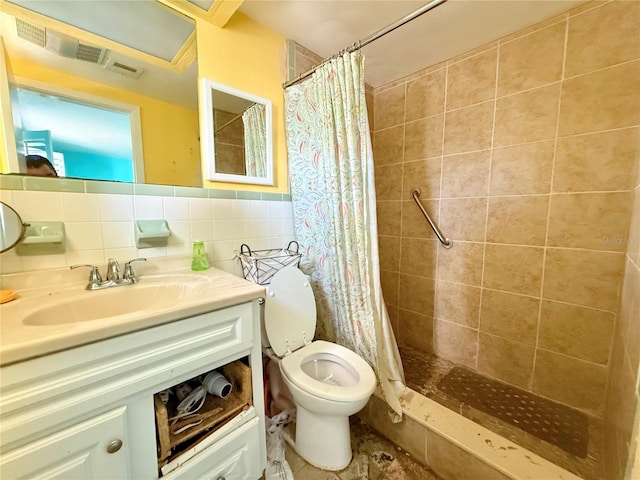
x=446 y=242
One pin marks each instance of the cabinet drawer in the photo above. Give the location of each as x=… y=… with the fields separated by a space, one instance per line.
x=232 y=458
x=45 y=392
x=79 y=451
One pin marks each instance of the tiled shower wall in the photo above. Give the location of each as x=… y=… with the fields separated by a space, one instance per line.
x=623 y=399
x=524 y=152
x=101 y=225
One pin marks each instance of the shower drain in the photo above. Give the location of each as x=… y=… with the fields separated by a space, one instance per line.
x=550 y=421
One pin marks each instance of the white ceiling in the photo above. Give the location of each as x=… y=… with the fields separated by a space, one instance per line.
x=328 y=26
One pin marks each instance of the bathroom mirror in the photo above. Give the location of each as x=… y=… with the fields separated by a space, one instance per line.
x=148 y=102
x=237 y=135
x=11 y=227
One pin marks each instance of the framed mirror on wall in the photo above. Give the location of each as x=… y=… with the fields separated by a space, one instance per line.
x=237 y=135
x=103 y=110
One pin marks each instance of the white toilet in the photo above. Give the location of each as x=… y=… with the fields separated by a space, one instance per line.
x=328 y=382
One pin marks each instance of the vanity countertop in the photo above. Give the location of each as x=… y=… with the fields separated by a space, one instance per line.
x=52 y=305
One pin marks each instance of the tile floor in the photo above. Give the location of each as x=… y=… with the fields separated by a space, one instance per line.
x=374 y=458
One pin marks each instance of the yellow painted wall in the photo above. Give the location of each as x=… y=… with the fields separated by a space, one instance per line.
x=169 y=132
x=4 y=163
x=249 y=57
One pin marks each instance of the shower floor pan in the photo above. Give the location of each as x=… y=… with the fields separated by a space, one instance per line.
x=489 y=403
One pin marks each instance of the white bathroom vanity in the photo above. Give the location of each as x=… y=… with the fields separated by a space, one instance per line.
x=79 y=398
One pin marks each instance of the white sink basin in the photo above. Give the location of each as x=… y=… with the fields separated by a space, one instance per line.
x=151 y=293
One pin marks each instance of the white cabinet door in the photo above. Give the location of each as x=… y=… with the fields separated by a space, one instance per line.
x=78 y=452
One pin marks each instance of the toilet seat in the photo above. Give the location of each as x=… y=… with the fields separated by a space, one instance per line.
x=289 y=312
x=362 y=379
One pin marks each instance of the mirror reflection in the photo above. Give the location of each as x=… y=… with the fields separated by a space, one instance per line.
x=11 y=227
x=109 y=117
x=237 y=132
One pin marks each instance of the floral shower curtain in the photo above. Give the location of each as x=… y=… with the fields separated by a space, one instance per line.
x=255 y=140
x=332 y=186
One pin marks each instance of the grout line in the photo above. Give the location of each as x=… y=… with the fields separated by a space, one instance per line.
x=438 y=246
x=514 y=145
x=402 y=205
x=551 y=180
x=486 y=219
x=528 y=90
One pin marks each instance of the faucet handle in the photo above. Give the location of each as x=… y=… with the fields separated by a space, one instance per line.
x=129 y=274
x=94 y=275
x=113 y=270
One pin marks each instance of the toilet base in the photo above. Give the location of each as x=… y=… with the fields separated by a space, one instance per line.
x=323 y=441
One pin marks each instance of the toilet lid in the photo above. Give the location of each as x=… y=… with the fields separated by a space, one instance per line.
x=289 y=311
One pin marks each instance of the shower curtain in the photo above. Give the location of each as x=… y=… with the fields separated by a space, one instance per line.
x=332 y=187
x=255 y=140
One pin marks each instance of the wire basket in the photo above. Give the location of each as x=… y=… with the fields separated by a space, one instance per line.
x=260 y=266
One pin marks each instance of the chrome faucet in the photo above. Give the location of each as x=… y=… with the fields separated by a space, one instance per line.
x=113 y=274
x=113 y=270
x=129 y=275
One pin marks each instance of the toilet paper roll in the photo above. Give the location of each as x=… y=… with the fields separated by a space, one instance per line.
x=216 y=384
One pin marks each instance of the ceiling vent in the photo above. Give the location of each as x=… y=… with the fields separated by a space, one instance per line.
x=31 y=33
x=58 y=43
x=122 y=69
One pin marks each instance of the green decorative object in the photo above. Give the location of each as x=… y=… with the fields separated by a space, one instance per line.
x=199 y=260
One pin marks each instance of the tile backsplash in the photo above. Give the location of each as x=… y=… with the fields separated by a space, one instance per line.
x=101 y=225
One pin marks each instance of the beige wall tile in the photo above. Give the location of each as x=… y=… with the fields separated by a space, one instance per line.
x=513 y=269
x=633 y=240
x=408 y=434
x=570 y=381
x=388 y=108
x=463 y=218
x=531 y=61
x=520 y=220
x=390 y=283
x=510 y=316
x=455 y=343
x=388 y=146
x=621 y=409
x=419 y=257
x=583 y=277
x=472 y=80
x=417 y=294
x=613 y=100
x=509 y=361
x=461 y=264
x=392 y=310
x=468 y=129
x=603 y=37
x=522 y=169
x=629 y=318
x=389 y=182
x=389 y=253
x=424 y=175
x=423 y=138
x=580 y=332
x=415 y=330
x=527 y=117
x=451 y=462
x=389 y=217
x=413 y=222
x=425 y=96
x=597 y=162
x=369 y=99
x=596 y=221
x=466 y=175
x=457 y=303
x=629 y=300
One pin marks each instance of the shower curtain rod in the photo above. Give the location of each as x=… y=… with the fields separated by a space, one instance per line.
x=366 y=41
